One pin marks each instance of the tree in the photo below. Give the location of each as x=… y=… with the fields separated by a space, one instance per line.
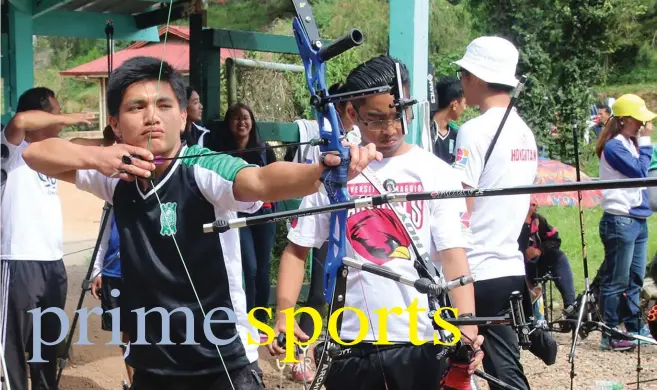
x=562 y=46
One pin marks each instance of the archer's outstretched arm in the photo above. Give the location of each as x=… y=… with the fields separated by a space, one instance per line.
x=36 y=120
x=284 y=180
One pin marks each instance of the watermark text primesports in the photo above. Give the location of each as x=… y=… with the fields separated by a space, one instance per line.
x=229 y=317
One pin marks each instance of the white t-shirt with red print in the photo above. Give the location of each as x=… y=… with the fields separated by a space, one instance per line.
x=376 y=235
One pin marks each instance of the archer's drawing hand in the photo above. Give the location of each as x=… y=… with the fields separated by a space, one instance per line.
x=360 y=157
x=469 y=335
x=273 y=347
x=126 y=162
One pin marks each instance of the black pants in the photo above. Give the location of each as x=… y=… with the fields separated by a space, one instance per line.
x=556 y=262
x=502 y=353
x=402 y=368
x=245 y=378
x=28 y=285
x=316 y=293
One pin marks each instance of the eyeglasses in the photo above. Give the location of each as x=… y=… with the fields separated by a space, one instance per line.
x=383 y=124
x=460 y=72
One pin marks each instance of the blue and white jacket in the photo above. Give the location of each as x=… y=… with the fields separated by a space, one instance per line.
x=108 y=259
x=621 y=160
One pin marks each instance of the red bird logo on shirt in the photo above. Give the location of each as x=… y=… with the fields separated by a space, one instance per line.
x=378 y=236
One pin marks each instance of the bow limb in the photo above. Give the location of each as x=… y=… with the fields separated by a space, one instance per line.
x=334 y=179
x=159 y=201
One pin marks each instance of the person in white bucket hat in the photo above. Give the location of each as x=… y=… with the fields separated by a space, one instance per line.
x=491 y=59
x=487 y=72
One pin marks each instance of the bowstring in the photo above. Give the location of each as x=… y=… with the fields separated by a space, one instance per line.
x=157 y=196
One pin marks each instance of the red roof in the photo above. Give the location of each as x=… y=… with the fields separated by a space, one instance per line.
x=176 y=53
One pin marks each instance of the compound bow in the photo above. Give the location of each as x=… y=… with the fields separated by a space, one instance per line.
x=314 y=57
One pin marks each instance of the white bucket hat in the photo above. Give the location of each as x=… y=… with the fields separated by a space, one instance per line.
x=492 y=59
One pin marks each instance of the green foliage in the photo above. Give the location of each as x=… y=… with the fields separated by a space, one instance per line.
x=632 y=56
x=562 y=47
x=449 y=33
x=247 y=15
x=566 y=220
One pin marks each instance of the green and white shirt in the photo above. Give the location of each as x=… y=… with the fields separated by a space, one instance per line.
x=190 y=193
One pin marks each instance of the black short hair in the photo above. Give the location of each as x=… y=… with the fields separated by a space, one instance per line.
x=448 y=89
x=138 y=69
x=501 y=87
x=35 y=99
x=602 y=106
x=189 y=91
x=376 y=72
x=335 y=89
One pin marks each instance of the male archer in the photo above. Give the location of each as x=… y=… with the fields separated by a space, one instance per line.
x=379 y=236
x=166 y=260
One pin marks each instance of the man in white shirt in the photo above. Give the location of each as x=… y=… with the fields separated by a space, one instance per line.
x=487 y=73
x=32 y=272
x=378 y=236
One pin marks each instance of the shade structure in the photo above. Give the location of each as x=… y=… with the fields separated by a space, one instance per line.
x=555 y=172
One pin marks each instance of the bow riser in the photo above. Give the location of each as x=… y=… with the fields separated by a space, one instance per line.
x=337 y=177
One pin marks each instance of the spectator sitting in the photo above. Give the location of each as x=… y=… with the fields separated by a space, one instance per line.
x=541 y=246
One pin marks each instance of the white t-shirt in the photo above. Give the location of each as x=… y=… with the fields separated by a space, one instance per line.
x=31 y=211
x=375 y=234
x=496 y=221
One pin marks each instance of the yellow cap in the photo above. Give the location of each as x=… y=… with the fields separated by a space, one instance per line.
x=632 y=106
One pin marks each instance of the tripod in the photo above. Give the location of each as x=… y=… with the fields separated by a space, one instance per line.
x=587 y=297
x=85 y=287
x=638 y=350
x=547 y=313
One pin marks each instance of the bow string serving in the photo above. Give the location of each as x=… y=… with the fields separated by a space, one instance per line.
x=159 y=201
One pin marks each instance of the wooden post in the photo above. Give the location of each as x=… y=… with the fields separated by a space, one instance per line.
x=197 y=21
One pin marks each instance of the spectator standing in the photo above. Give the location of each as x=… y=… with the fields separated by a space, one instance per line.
x=625 y=151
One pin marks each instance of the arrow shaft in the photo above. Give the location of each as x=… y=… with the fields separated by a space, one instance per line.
x=222 y=226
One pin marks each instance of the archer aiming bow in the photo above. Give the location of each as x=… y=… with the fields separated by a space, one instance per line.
x=314 y=56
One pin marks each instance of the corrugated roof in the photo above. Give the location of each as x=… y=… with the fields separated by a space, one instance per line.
x=176 y=54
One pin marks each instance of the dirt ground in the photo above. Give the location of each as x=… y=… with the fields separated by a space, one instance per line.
x=101 y=367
